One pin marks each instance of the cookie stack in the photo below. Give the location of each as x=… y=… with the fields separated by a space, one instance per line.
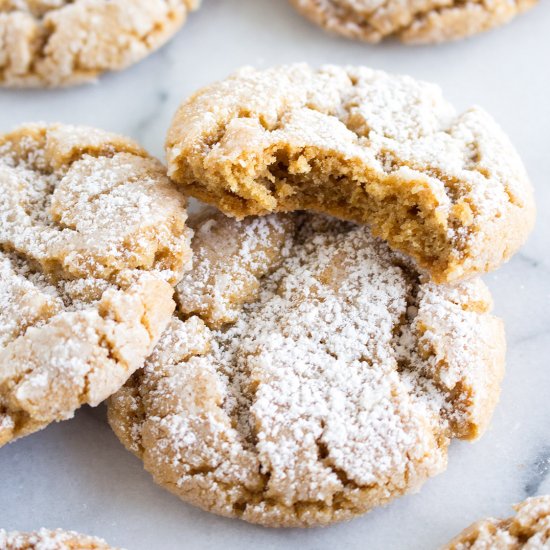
x=313 y=350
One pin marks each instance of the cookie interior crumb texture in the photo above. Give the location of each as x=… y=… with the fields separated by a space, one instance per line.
x=310 y=374
x=45 y=539
x=92 y=238
x=448 y=189
x=529 y=529
x=66 y=42
x=412 y=21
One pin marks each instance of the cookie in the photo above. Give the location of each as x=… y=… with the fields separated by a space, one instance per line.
x=414 y=22
x=50 y=540
x=447 y=189
x=529 y=529
x=92 y=240
x=311 y=374
x=67 y=42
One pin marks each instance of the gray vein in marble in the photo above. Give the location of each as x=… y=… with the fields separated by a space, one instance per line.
x=148 y=119
x=537 y=472
x=529 y=337
x=535 y=263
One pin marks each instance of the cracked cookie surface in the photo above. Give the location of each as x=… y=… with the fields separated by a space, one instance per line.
x=311 y=374
x=92 y=240
x=412 y=21
x=447 y=189
x=67 y=42
x=45 y=539
x=529 y=529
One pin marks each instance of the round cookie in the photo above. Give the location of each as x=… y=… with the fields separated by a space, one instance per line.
x=529 y=529
x=311 y=374
x=45 y=539
x=412 y=21
x=67 y=42
x=92 y=239
x=447 y=189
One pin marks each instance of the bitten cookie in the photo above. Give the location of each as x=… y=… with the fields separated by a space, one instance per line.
x=412 y=21
x=50 y=540
x=529 y=529
x=92 y=238
x=447 y=189
x=312 y=374
x=67 y=42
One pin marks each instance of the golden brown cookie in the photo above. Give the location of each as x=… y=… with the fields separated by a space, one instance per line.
x=412 y=21
x=92 y=238
x=529 y=529
x=67 y=42
x=447 y=189
x=45 y=539
x=311 y=374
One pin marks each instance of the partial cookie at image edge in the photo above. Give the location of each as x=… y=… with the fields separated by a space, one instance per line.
x=45 y=539
x=432 y=24
x=528 y=528
x=93 y=237
x=75 y=42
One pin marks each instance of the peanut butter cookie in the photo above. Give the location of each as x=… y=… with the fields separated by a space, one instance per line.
x=67 y=42
x=529 y=529
x=92 y=238
x=412 y=21
x=447 y=189
x=311 y=374
x=50 y=540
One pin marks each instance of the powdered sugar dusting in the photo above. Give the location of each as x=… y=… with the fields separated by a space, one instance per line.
x=92 y=235
x=322 y=397
x=529 y=529
x=65 y=42
x=223 y=278
x=446 y=188
x=418 y=21
x=94 y=216
x=36 y=7
x=45 y=539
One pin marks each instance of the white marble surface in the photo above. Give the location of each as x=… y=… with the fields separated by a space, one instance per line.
x=76 y=475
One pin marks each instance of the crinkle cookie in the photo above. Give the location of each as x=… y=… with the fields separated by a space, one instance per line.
x=529 y=529
x=50 y=540
x=92 y=238
x=311 y=375
x=67 y=42
x=447 y=189
x=412 y=21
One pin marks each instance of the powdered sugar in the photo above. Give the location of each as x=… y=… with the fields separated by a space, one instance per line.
x=45 y=539
x=418 y=21
x=36 y=7
x=224 y=277
x=93 y=216
x=65 y=42
x=91 y=234
x=446 y=188
x=322 y=397
x=529 y=529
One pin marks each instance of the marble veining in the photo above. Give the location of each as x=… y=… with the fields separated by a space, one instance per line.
x=538 y=471
x=77 y=475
